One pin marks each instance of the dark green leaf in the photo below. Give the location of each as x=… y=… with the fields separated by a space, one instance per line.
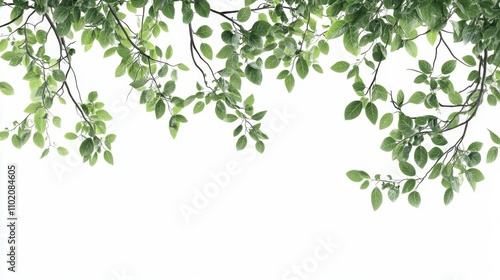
x=386 y=120
x=407 y=168
x=357 y=175
x=241 y=143
x=448 y=196
x=371 y=112
x=376 y=198
x=388 y=144
x=414 y=199
x=409 y=185
x=353 y=110
x=86 y=147
x=448 y=67
x=108 y=157
x=420 y=156
x=492 y=155
x=302 y=67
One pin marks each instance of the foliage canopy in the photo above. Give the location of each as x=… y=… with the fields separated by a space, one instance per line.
x=289 y=35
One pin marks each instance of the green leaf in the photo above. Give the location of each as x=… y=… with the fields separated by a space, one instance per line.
x=388 y=144
x=204 y=31
x=4 y=135
x=272 y=62
x=376 y=198
x=336 y=29
x=241 y=143
x=435 y=153
x=350 y=41
x=448 y=67
x=475 y=146
x=365 y=185
x=371 y=112
x=202 y=8
x=61 y=13
x=302 y=68
x=45 y=153
x=289 y=82
x=409 y=185
x=70 y=136
x=353 y=110
x=103 y=115
x=259 y=146
x=6 y=88
x=420 y=156
x=414 y=199
x=259 y=116
x=39 y=140
x=260 y=28
x=340 y=66
x=16 y=141
x=470 y=60
x=386 y=120
x=58 y=75
x=108 y=157
x=357 y=175
x=492 y=155
x=93 y=96
x=253 y=75
x=439 y=140
x=411 y=48
x=33 y=107
x=139 y=3
x=436 y=170
x=198 y=107
x=206 y=50
x=393 y=194
x=425 y=66
x=243 y=14
x=405 y=124
x=494 y=137
x=160 y=108
x=407 y=168
x=474 y=176
x=56 y=121
x=86 y=147
x=448 y=196
x=220 y=110
x=62 y=151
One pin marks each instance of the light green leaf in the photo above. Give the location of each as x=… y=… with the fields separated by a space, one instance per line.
x=243 y=14
x=494 y=137
x=448 y=67
x=474 y=176
x=253 y=75
x=386 y=120
x=108 y=157
x=371 y=112
x=206 y=50
x=160 y=108
x=411 y=48
x=407 y=168
x=448 y=196
x=376 y=198
x=302 y=67
x=414 y=199
x=357 y=175
x=289 y=82
x=241 y=143
x=58 y=75
x=220 y=110
x=70 y=136
x=38 y=139
x=353 y=110
x=259 y=146
x=420 y=156
x=6 y=88
x=388 y=144
x=340 y=66
x=62 y=151
x=103 y=115
x=492 y=155
x=203 y=32
x=409 y=185
x=86 y=147
x=198 y=107
x=425 y=66
x=56 y=121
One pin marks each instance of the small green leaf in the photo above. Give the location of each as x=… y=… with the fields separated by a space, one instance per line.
x=272 y=62
x=425 y=66
x=62 y=151
x=388 y=144
x=103 y=115
x=253 y=75
x=259 y=146
x=241 y=143
x=357 y=175
x=59 y=75
x=259 y=116
x=198 y=107
x=56 y=121
x=492 y=155
x=45 y=153
x=386 y=120
x=289 y=82
x=206 y=50
x=420 y=156
x=376 y=198
x=414 y=199
x=371 y=112
x=6 y=88
x=86 y=147
x=70 y=136
x=448 y=67
x=448 y=196
x=260 y=28
x=474 y=176
x=409 y=185
x=108 y=157
x=202 y=8
x=204 y=31
x=4 y=135
x=439 y=140
x=243 y=14
x=302 y=67
x=220 y=110
x=160 y=108
x=469 y=59
x=353 y=110
x=411 y=48
x=393 y=194
x=38 y=139
x=494 y=137
x=417 y=98
x=340 y=66
x=407 y=168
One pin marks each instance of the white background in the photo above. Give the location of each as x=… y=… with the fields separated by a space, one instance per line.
x=124 y=221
